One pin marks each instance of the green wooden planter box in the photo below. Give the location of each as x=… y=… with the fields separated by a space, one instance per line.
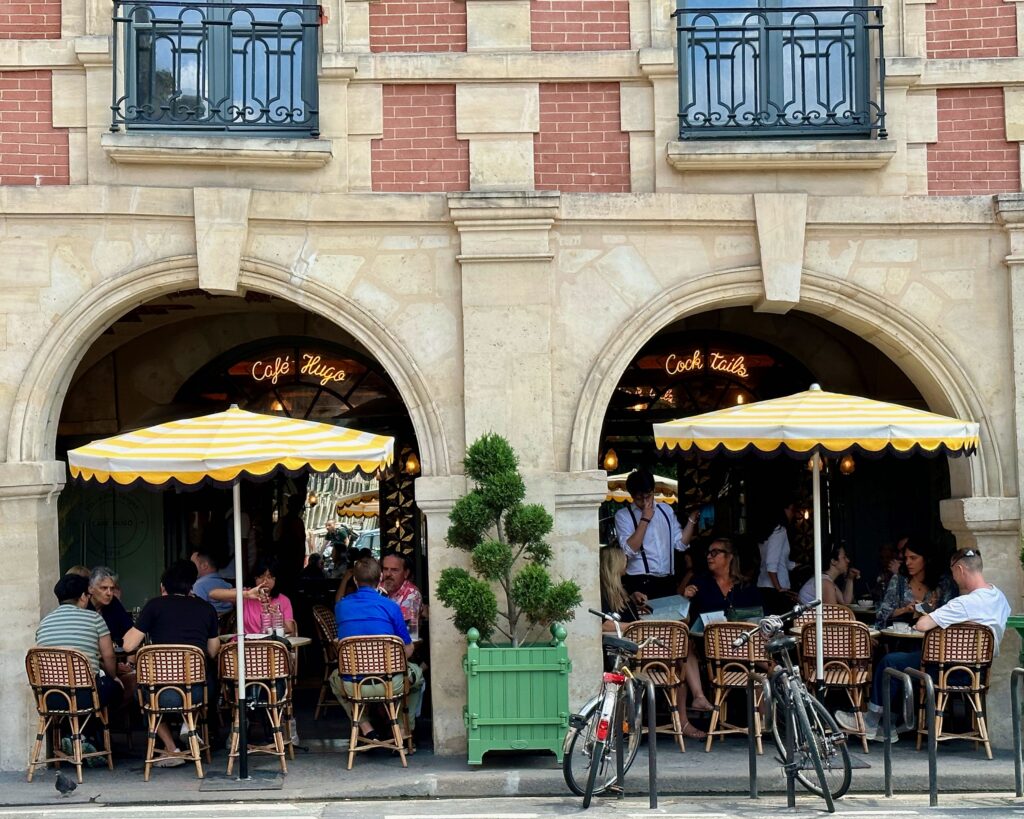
x=517 y=698
x=1016 y=622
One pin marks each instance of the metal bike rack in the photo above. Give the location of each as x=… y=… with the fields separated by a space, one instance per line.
x=1018 y=758
x=753 y=678
x=909 y=718
x=652 y=751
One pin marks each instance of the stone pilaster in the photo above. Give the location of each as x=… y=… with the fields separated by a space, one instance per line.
x=28 y=549
x=507 y=304
x=1010 y=211
x=435 y=497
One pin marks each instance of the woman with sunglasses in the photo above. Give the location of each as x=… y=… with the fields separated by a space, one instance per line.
x=720 y=588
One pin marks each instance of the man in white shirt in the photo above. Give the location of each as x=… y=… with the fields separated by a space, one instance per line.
x=979 y=602
x=650 y=535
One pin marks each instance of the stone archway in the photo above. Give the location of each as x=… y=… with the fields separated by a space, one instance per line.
x=914 y=347
x=37 y=406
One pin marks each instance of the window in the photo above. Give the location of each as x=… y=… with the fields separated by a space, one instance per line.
x=216 y=66
x=779 y=68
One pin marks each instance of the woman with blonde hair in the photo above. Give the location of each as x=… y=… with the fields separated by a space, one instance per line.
x=614 y=596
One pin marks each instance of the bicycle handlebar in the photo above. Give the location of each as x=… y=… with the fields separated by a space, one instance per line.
x=614 y=617
x=774 y=623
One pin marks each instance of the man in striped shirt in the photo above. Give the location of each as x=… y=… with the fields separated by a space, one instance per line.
x=73 y=625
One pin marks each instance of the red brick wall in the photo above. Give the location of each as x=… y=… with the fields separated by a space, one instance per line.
x=971 y=28
x=580 y=146
x=419 y=151
x=417 y=25
x=972 y=155
x=29 y=144
x=579 y=25
x=29 y=19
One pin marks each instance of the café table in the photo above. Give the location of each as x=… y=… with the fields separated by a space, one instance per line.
x=899 y=634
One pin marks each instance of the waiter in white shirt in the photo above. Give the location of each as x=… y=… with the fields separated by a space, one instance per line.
x=650 y=535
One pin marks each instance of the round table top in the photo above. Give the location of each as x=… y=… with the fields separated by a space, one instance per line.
x=294 y=641
x=913 y=634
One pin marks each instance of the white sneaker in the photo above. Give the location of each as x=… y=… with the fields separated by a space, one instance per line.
x=848 y=722
x=879 y=735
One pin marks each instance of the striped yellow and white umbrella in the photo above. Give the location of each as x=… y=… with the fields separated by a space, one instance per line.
x=665 y=489
x=221 y=449
x=816 y=423
x=359 y=505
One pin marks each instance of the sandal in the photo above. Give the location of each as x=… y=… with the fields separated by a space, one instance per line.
x=691 y=731
x=702 y=704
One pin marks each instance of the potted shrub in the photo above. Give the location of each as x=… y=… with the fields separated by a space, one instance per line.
x=517 y=682
x=1016 y=621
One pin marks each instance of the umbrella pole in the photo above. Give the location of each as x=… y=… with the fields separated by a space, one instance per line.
x=819 y=663
x=243 y=739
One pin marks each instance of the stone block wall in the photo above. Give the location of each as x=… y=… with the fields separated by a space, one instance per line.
x=579 y=25
x=581 y=145
x=30 y=146
x=417 y=26
x=30 y=20
x=419 y=150
x=959 y=29
x=972 y=155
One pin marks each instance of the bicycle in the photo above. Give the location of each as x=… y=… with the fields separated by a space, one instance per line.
x=590 y=746
x=821 y=760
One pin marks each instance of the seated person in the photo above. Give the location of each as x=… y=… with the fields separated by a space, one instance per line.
x=915 y=582
x=979 y=602
x=348 y=584
x=395 y=583
x=366 y=612
x=313 y=570
x=210 y=579
x=179 y=618
x=831 y=591
x=73 y=625
x=259 y=596
x=102 y=585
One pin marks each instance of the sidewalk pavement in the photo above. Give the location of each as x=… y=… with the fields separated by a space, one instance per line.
x=320 y=775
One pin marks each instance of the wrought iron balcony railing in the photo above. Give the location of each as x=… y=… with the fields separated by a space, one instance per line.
x=780 y=70
x=220 y=67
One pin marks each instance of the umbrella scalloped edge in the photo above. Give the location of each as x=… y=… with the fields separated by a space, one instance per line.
x=831 y=447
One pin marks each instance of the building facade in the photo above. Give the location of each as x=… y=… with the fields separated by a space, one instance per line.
x=499 y=204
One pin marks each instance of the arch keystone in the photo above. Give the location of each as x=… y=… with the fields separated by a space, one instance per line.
x=222 y=228
x=781 y=220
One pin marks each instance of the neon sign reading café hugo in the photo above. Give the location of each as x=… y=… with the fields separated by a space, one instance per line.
x=312 y=365
x=719 y=362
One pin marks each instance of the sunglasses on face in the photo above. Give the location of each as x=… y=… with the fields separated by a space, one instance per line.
x=716 y=552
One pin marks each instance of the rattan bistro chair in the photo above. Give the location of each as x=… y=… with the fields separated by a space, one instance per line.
x=959 y=658
x=172 y=682
x=729 y=667
x=662 y=665
x=66 y=696
x=829 y=611
x=846 y=663
x=374 y=671
x=268 y=687
x=327 y=632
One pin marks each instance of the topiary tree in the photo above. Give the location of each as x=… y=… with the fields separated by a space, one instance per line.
x=506 y=540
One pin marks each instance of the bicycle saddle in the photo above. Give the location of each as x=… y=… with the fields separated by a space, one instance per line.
x=619 y=645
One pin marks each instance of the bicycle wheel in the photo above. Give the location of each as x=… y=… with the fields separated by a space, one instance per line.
x=825 y=736
x=578 y=759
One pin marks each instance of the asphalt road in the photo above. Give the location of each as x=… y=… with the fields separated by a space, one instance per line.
x=981 y=806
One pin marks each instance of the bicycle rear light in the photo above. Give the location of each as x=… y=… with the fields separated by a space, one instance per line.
x=613 y=677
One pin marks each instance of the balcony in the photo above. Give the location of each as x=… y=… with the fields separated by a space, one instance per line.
x=216 y=68
x=787 y=71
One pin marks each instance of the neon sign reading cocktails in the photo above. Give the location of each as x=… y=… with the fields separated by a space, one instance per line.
x=695 y=361
x=312 y=365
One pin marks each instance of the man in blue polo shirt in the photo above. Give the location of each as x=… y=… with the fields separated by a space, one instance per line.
x=367 y=612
